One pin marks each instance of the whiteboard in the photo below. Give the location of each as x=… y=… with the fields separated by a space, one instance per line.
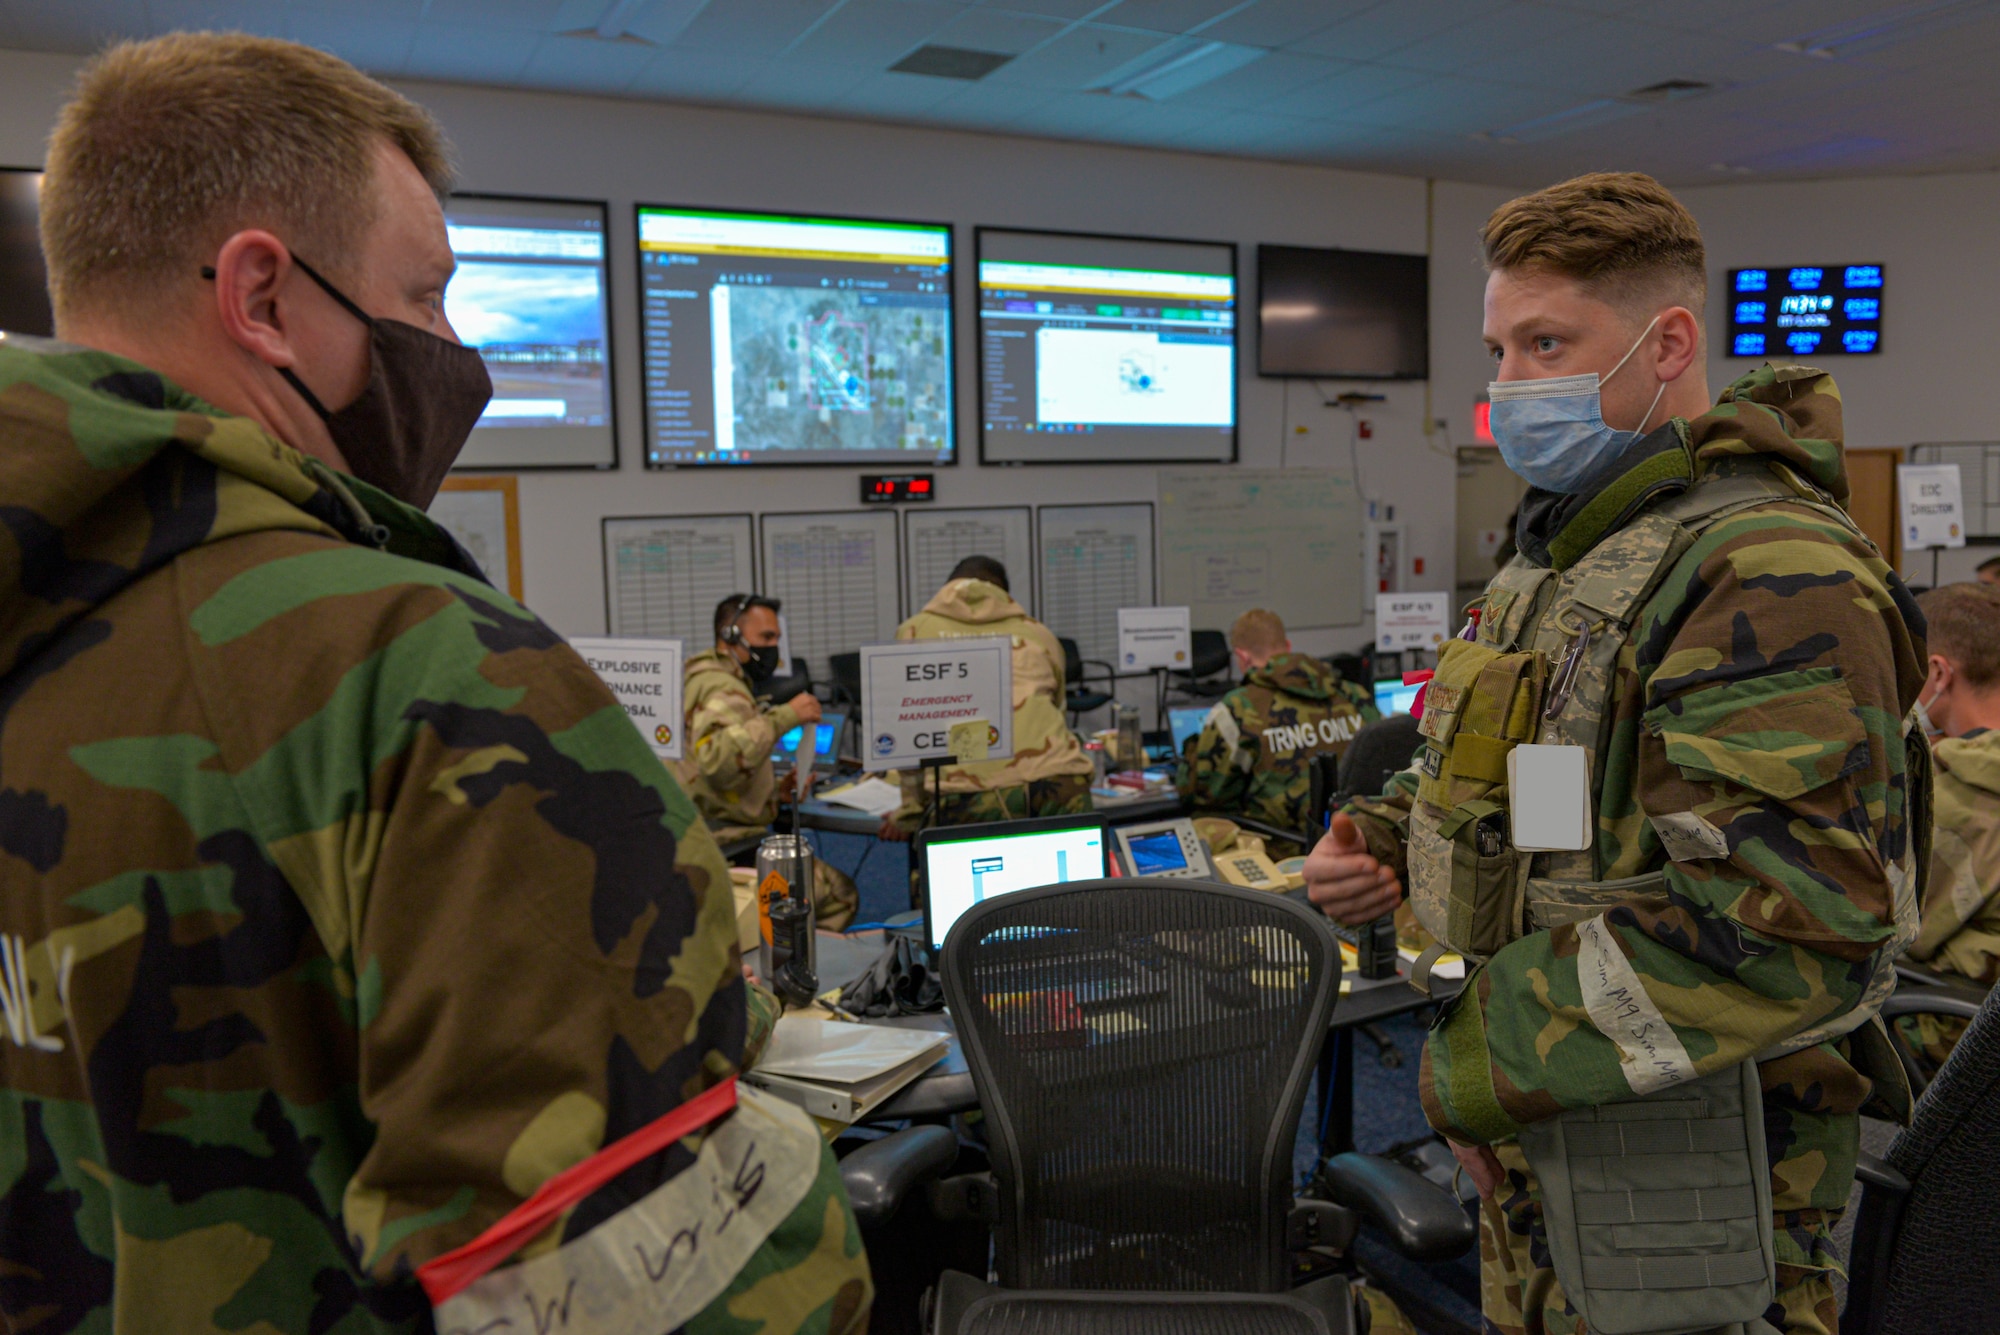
x=837 y=575
x=1287 y=539
x=664 y=575
x=936 y=540
x=1093 y=560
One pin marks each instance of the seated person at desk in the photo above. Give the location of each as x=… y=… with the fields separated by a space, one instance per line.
x=1960 y=706
x=1253 y=754
x=727 y=766
x=1048 y=775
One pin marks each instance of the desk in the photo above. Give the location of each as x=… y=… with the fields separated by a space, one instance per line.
x=946 y=1088
x=817 y=815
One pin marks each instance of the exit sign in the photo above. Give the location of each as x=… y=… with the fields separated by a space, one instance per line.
x=892 y=488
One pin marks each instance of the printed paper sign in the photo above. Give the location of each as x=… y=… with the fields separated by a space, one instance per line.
x=915 y=690
x=645 y=675
x=1411 y=621
x=1153 y=637
x=1933 y=506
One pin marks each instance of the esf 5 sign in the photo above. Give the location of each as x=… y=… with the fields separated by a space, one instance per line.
x=913 y=691
x=645 y=676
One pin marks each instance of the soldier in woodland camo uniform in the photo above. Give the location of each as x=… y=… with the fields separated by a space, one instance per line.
x=343 y=905
x=1048 y=774
x=1961 y=699
x=1252 y=756
x=1751 y=764
x=727 y=767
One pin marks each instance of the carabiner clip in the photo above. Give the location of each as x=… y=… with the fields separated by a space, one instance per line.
x=1564 y=683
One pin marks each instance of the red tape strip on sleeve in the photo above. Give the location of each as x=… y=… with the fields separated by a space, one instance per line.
x=443 y=1276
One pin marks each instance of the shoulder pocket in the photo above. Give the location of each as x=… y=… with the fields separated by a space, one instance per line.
x=1782 y=735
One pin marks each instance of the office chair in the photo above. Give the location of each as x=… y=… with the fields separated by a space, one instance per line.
x=1380 y=749
x=1142 y=1155
x=846 y=669
x=1208 y=676
x=1923 y=1258
x=1080 y=697
x=782 y=689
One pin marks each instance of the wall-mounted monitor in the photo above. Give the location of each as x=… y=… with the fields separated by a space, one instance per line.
x=1343 y=314
x=1100 y=349
x=1805 y=310
x=782 y=339
x=24 y=282
x=529 y=294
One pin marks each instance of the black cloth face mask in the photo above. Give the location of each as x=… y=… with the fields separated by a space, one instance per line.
x=762 y=664
x=424 y=395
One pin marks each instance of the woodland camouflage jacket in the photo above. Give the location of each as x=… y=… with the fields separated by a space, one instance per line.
x=341 y=905
x=1253 y=753
x=1762 y=688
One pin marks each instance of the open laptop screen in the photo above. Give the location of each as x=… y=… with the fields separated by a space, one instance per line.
x=1186 y=723
x=1392 y=697
x=964 y=865
x=826 y=737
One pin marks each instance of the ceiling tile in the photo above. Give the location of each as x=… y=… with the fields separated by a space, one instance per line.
x=1073 y=115
x=586 y=64
x=800 y=84
x=540 y=15
x=1169 y=16
x=1347 y=85
x=1257 y=83
x=1282 y=22
x=1375 y=33
x=1055 y=9
x=380 y=46
x=1240 y=132
x=470 y=54
x=1071 y=61
x=752 y=27
x=873 y=34
x=1460 y=105
x=215 y=16
x=31 y=26
x=986 y=104
x=981 y=29
x=1519 y=40
x=896 y=95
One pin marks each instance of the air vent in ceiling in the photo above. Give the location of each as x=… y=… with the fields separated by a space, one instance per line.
x=1670 y=90
x=951 y=62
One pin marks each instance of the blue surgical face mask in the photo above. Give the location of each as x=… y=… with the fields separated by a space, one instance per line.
x=1552 y=432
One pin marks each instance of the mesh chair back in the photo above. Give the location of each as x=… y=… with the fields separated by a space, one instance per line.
x=1208 y=653
x=1072 y=659
x=847 y=675
x=1380 y=749
x=1945 y=1272
x=1141 y=1049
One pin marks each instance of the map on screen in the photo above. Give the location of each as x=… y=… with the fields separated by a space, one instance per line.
x=774 y=339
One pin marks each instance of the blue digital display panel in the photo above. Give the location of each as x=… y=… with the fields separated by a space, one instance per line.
x=1805 y=310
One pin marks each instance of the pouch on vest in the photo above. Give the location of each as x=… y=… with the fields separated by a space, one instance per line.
x=1658 y=1207
x=1481 y=705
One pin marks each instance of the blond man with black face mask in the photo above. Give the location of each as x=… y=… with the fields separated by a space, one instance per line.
x=1960 y=708
x=341 y=906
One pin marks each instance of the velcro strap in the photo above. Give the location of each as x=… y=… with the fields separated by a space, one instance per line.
x=1674 y=1272
x=1665 y=1207
x=1709 y=1137
x=1420 y=968
x=1477 y=757
x=1465 y=813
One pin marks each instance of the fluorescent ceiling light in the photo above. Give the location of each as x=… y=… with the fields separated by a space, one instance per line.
x=1176 y=66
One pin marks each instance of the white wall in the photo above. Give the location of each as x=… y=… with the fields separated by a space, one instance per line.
x=630 y=151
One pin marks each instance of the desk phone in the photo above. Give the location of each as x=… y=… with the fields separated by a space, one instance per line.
x=1169 y=848
x=1252 y=871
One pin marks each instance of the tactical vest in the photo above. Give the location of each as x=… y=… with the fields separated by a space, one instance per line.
x=1658 y=1205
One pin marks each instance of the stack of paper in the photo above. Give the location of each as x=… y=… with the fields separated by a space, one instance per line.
x=873 y=795
x=843 y=1071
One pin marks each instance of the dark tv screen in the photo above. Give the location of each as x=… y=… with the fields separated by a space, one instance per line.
x=24 y=283
x=1342 y=314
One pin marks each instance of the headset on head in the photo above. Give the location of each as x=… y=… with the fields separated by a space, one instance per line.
x=733 y=632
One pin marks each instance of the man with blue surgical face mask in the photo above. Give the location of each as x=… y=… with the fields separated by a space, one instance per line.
x=1666 y=801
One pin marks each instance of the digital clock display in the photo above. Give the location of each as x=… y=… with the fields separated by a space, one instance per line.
x=895 y=488
x=1809 y=310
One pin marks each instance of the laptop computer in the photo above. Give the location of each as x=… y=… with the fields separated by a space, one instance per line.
x=826 y=740
x=962 y=865
x=1186 y=722
x=1392 y=697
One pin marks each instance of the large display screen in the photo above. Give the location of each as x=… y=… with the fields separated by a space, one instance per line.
x=1105 y=349
x=779 y=339
x=1342 y=314
x=529 y=294
x=1810 y=310
x=24 y=283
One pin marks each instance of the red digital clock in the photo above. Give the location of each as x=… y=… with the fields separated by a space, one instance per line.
x=896 y=488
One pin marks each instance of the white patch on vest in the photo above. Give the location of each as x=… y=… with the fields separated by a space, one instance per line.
x=1688 y=837
x=1653 y=1057
x=658 y=1263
